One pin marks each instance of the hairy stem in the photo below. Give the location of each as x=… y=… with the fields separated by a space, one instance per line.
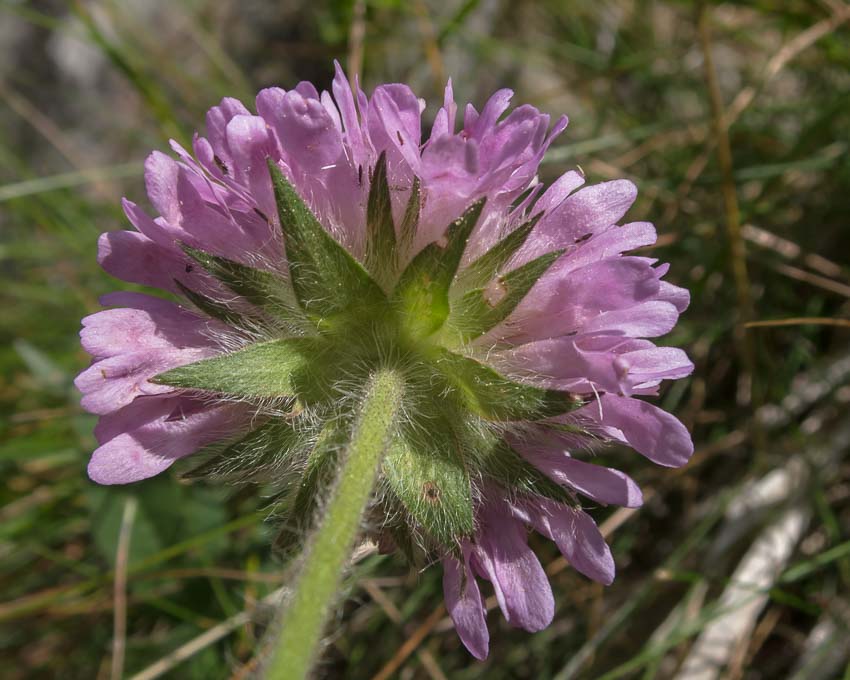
x=330 y=546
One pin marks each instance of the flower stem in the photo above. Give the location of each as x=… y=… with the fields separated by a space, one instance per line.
x=331 y=544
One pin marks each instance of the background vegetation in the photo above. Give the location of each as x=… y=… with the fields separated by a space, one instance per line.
x=752 y=214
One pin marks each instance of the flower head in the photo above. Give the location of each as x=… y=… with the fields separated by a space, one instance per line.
x=321 y=240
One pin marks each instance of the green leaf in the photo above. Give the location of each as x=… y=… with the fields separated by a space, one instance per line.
x=265 y=290
x=480 y=310
x=262 y=370
x=495 y=397
x=422 y=293
x=380 y=230
x=485 y=268
x=272 y=449
x=324 y=275
x=427 y=475
x=517 y=475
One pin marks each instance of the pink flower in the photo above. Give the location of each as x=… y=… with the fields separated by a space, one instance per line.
x=518 y=321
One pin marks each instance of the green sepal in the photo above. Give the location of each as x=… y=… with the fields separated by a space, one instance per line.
x=422 y=293
x=273 y=448
x=211 y=308
x=324 y=275
x=400 y=533
x=410 y=221
x=515 y=474
x=498 y=398
x=381 y=252
x=481 y=309
x=265 y=290
x=319 y=471
x=428 y=477
x=483 y=270
x=261 y=370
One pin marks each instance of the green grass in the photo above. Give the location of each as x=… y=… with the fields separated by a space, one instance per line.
x=629 y=75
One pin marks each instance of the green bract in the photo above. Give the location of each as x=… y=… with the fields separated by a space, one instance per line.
x=329 y=323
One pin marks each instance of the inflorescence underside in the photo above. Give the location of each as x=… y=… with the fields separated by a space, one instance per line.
x=322 y=323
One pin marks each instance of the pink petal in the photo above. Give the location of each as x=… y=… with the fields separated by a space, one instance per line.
x=444 y=121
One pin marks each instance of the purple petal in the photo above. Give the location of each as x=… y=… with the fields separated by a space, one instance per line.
x=578 y=538
x=133 y=257
x=557 y=362
x=395 y=123
x=518 y=579
x=314 y=149
x=602 y=484
x=587 y=211
x=150 y=323
x=559 y=190
x=646 y=320
x=679 y=297
x=161 y=234
x=609 y=243
x=217 y=119
x=206 y=157
x=250 y=144
x=657 y=363
x=307 y=90
x=444 y=121
x=309 y=138
x=161 y=181
x=562 y=303
x=465 y=607
x=146 y=437
x=648 y=429
x=355 y=140
x=114 y=382
x=497 y=104
x=589 y=552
